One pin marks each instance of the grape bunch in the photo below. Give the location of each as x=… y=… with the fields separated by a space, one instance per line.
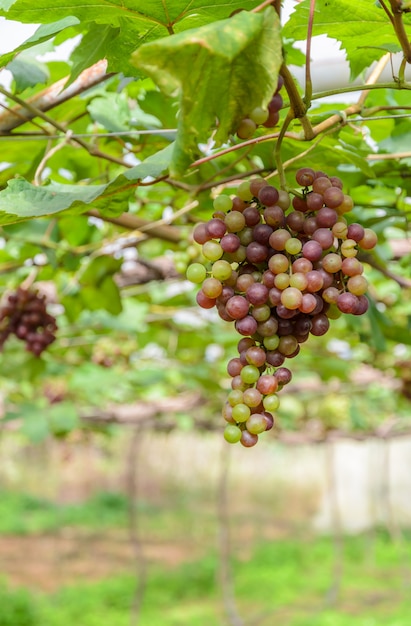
x=25 y=315
x=280 y=270
x=262 y=117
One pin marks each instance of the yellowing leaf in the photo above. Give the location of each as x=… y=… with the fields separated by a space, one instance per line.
x=222 y=71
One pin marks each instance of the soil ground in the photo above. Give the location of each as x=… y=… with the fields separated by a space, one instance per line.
x=48 y=562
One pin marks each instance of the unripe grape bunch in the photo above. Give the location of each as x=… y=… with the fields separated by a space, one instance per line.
x=25 y=315
x=259 y=116
x=279 y=270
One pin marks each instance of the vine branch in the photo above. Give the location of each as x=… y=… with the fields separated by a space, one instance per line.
x=52 y=97
x=262 y=6
x=47 y=156
x=400 y=280
x=384 y=6
x=308 y=81
x=336 y=92
x=131 y=222
x=95 y=152
x=358 y=106
x=280 y=166
x=297 y=106
x=398 y=25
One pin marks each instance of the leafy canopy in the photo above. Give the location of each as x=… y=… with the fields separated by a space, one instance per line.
x=363 y=30
x=112 y=155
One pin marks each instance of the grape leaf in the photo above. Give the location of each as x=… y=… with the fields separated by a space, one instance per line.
x=384 y=328
x=399 y=138
x=111 y=111
x=42 y=34
x=21 y=200
x=358 y=26
x=167 y=15
x=99 y=289
x=98 y=268
x=222 y=71
x=27 y=72
x=95 y=45
x=139 y=21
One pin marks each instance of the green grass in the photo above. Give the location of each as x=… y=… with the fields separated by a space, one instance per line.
x=22 y=514
x=285 y=583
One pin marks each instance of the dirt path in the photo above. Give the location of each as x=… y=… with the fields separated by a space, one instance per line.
x=48 y=562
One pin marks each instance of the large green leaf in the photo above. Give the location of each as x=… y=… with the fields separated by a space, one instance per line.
x=21 y=200
x=359 y=26
x=167 y=15
x=222 y=71
x=139 y=21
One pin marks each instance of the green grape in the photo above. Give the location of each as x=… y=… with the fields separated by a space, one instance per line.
x=235 y=221
x=271 y=343
x=241 y=412
x=261 y=312
x=284 y=200
x=282 y=280
x=259 y=115
x=357 y=285
x=243 y=191
x=250 y=374
x=293 y=245
x=333 y=312
x=181 y=261
x=246 y=128
x=291 y=298
x=193 y=251
x=239 y=255
x=212 y=250
x=256 y=424
x=340 y=229
x=298 y=280
x=196 y=273
x=271 y=402
x=232 y=434
x=223 y=203
x=221 y=270
x=278 y=263
x=348 y=248
x=235 y=397
x=180 y=266
x=212 y=287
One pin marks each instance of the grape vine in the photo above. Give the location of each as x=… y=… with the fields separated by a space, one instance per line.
x=280 y=269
